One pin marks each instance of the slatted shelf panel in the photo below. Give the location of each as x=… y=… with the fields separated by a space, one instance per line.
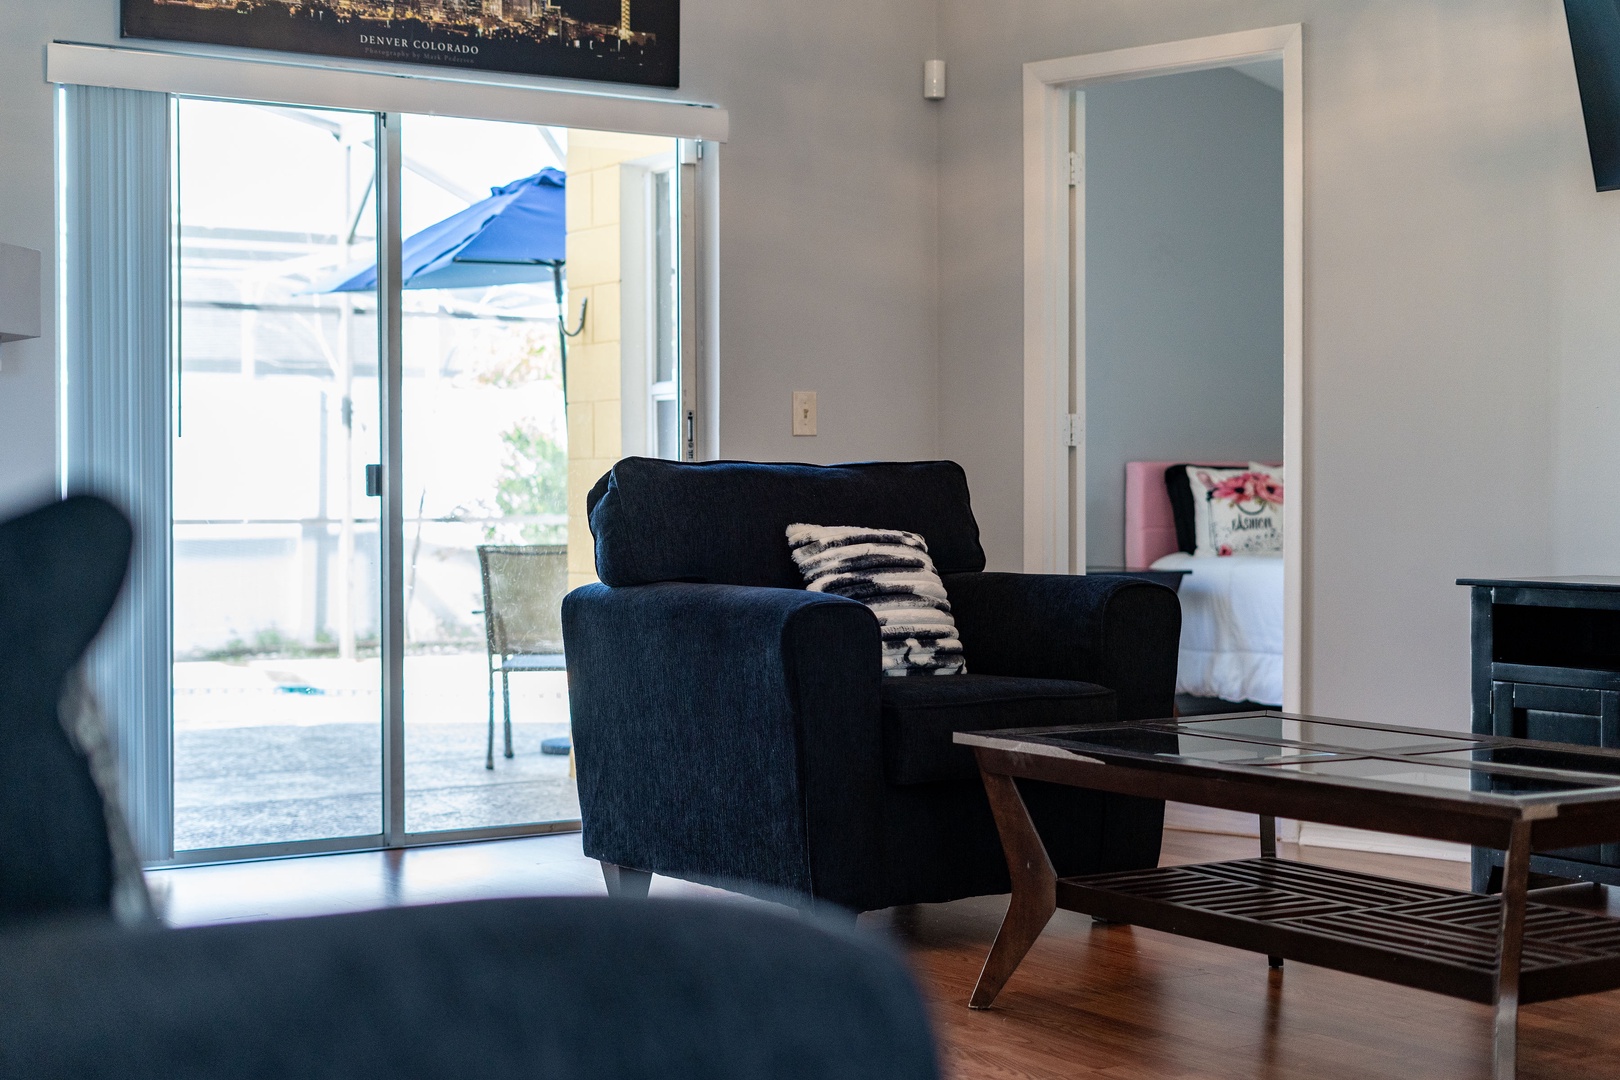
x=1420 y=935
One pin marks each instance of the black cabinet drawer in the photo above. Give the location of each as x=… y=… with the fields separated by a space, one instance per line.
x=1564 y=699
x=1564 y=714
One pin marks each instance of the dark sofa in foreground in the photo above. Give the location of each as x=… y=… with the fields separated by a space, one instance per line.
x=582 y=989
x=732 y=727
x=573 y=989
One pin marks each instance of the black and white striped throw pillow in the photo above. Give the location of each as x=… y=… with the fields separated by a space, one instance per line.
x=890 y=572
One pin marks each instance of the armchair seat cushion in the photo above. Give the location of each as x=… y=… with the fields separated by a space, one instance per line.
x=922 y=712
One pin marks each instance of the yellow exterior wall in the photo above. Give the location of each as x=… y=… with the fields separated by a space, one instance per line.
x=594 y=248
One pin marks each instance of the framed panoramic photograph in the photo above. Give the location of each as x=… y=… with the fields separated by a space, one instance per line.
x=628 y=41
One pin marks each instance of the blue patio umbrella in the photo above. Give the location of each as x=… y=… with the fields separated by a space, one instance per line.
x=518 y=234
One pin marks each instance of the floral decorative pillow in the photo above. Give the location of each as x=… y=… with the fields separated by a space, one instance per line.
x=1237 y=511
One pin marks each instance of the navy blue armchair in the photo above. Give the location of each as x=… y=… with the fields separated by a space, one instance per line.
x=733 y=728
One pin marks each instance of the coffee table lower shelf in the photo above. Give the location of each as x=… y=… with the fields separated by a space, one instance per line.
x=1417 y=935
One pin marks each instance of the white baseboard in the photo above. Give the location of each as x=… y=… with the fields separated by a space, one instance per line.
x=1312 y=834
x=1205 y=819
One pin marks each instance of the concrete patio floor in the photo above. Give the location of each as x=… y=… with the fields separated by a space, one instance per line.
x=268 y=751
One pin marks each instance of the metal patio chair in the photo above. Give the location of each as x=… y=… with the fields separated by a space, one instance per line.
x=523 y=591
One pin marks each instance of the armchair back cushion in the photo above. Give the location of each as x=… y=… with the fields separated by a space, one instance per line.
x=725 y=522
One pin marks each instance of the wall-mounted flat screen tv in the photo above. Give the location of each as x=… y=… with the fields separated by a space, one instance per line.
x=1594 y=35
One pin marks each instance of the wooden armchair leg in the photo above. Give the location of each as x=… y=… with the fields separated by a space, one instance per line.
x=622 y=881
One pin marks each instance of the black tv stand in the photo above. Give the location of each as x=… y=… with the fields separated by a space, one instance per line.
x=1546 y=665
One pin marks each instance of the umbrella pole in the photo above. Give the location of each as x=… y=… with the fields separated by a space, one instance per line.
x=563 y=333
x=562 y=327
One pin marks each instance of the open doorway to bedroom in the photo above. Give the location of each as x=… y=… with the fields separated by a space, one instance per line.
x=1164 y=327
x=1181 y=371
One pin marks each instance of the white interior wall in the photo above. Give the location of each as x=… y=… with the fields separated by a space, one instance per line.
x=1184 y=281
x=1442 y=145
x=828 y=222
x=827 y=240
x=1585 y=468
x=27 y=218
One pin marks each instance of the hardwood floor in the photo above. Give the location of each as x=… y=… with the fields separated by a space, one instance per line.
x=1089 y=1001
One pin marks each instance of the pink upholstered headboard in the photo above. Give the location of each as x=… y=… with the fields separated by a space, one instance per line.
x=1150 y=528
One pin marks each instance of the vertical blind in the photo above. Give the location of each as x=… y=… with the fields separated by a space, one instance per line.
x=115 y=180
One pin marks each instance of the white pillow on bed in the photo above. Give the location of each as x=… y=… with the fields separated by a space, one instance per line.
x=1237 y=511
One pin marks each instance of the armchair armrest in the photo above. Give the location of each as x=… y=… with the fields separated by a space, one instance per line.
x=1122 y=633
x=720 y=729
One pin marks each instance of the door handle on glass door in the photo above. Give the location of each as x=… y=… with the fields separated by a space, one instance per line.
x=374 y=481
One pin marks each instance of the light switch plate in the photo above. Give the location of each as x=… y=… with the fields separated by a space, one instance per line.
x=804 y=412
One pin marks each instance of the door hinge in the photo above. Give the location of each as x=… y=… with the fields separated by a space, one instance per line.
x=1076 y=167
x=1072 y=429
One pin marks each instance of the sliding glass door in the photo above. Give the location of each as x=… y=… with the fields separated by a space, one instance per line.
x=485 y=479
x=404 y=348
x=277 y=572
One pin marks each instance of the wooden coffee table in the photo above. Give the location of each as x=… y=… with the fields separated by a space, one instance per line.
x=1511 y=794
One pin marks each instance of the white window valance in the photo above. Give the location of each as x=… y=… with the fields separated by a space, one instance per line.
x=297 y=80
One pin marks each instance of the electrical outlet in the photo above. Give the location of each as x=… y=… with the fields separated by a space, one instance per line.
x=804 y=412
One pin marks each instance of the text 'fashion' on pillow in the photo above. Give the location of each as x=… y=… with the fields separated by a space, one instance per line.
x=1237 y=511
x=890 y=572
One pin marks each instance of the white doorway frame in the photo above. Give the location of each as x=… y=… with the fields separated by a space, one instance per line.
x=1054 y=341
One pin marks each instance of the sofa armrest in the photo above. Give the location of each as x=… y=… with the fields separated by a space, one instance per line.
x=720 y=729
x=1122 y=633
x=590 y=989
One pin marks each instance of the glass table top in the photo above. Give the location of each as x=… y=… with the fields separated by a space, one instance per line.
x=1533 y=757
x=1344 y=752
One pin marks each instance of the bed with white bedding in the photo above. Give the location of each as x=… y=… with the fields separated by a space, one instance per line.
x=1231 y=605
x=1231 y=626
